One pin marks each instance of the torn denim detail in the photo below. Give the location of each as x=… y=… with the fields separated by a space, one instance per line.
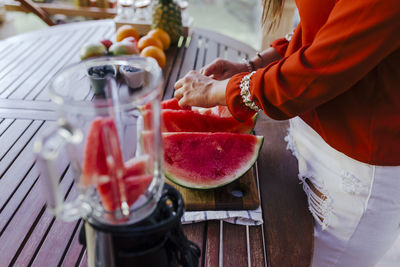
x=320 y=207
x=350 y=184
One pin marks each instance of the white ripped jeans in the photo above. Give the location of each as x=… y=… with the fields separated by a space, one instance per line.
x=357 y=218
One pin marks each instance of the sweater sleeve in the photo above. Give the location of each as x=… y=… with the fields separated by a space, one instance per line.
x=280 y=45
x=354 y=39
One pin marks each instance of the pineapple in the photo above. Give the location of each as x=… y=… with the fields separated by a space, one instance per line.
x=167 y=16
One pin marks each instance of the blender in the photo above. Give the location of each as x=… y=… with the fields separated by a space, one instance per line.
x=131 y=218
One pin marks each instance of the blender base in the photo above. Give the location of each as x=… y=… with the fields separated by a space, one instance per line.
x=157 y=240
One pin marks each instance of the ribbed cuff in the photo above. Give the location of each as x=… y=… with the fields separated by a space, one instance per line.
x=234 y=99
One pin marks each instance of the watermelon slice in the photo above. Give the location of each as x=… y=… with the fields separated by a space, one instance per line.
x=134 y=187
x=193 y=121
x=206 y=160
x=166 y=104
x=136 y=166
x=95 y=164
x=103 y=166
x=220 y=111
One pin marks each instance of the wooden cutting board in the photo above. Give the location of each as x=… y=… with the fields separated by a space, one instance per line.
x=239 y=195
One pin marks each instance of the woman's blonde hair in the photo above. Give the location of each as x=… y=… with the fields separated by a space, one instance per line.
x=272 y=13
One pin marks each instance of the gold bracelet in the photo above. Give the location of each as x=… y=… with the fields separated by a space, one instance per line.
x=245 y=92
x=249 y=64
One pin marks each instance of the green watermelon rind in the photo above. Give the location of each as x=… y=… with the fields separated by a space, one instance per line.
x=241 y=172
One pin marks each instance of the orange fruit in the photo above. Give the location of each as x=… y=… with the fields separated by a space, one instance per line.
x=161 y=35
x=126 y=31
x=156 y=53
x=147 y=40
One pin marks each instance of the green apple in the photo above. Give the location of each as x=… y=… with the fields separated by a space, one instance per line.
x=123 y=48
x=93 y=50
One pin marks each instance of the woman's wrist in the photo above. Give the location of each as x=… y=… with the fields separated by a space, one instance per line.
x=243 y=67
x=219 y=92
x=264 y=58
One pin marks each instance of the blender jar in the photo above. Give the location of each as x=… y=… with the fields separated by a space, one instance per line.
x=109 y=132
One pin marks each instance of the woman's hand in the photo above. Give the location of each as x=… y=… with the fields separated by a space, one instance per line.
x=221 y=69
x=196 y=89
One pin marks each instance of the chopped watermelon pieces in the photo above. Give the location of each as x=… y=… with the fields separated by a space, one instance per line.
x=134 y=187
x=188 y=119
x=166 y=104
x=103 y=167
x=194 y=121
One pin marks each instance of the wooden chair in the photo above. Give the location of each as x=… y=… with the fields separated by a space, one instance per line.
x=32 y=7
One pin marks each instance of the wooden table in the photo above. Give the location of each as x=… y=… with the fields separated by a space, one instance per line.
x=30 y=236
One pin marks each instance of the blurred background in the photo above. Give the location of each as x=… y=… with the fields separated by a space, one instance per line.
x=239 y=19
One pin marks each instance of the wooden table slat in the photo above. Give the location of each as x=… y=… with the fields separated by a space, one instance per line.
x=5 y=124
x=257 y=257
x=212 y=244
x=175 y=72
x=20 y=106
x=31 y=207
x=293 y=228
x=26 y=114
x=21 y=151
x=18 y=51
x=195 y=233
x=14 y=196
x=57 y=241
x=84 y=260
x=23 y=71
x=189 y=59
x=6 y=48
x=44 y=66
x=33 y=240
x=42 y=80
x=97 y=35
x=73 y=254
x=11 y=136
x=17 y=67
x=234 y=245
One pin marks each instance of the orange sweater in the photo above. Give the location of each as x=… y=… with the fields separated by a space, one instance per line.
x=340 y=73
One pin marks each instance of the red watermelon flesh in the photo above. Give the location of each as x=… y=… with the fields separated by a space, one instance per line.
x=220 y=111
x=206 y=160
x=167 y=104
x=136 y=166
x=193 y=121
x=94 y=164
x=134 y=186
x=102 y=152
x=103 y=166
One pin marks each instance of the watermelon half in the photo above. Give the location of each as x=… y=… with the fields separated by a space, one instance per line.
x=206 y=160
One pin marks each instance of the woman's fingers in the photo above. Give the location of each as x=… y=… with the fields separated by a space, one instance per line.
x=179 y=84
x=178 y=94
